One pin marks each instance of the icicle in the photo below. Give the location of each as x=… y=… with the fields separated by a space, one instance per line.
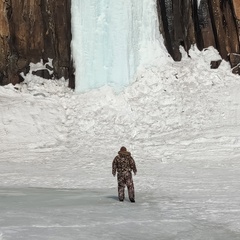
x=111 y=39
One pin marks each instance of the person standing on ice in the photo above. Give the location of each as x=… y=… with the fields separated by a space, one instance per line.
x=124 y=164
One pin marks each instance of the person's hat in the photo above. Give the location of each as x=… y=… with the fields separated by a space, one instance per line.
x=123 y=149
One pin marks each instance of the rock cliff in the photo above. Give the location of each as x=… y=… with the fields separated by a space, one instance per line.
x=31 y=31
x=204 y=23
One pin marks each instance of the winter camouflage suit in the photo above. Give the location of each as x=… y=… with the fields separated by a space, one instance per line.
x=123 y=164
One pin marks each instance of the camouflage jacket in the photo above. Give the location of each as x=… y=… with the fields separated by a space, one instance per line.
x=123 y=162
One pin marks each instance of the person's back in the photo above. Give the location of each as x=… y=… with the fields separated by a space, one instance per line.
x=124 y=164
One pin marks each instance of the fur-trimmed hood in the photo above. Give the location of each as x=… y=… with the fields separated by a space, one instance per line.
x=124 y=153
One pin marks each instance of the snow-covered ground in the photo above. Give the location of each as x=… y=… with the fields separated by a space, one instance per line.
x=180 y=120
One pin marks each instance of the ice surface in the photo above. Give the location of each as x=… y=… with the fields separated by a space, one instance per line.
x=193 y=200
x=111 y=39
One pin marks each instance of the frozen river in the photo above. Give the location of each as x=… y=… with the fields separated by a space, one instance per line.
x=38 y=213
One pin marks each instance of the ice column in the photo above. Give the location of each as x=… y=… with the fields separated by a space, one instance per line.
x=111 y=39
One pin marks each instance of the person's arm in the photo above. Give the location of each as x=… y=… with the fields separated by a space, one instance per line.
x=133 y=166
x=114 y=167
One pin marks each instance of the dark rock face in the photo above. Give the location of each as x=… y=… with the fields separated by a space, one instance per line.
x=31 y=31
x=213 y=23
x=44 y=73
x=215 y=64
x=236 y=7
x=176 y=25
x=235 y=62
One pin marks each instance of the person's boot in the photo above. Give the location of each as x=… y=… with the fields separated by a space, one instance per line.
x=132 y=200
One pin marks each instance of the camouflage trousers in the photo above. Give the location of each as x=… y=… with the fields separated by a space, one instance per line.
x=125 y=179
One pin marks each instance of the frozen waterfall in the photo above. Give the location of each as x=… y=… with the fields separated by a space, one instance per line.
x=111 y=40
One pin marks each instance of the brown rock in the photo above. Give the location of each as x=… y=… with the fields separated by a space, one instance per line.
x=44 y=73
x=176 y=25
x=215 y=64
x=31 y=31
x=236 y=6
x=211 y=23
x=234 y=59
x=236 y=70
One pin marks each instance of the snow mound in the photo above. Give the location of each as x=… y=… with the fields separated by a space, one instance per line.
x=167 y=99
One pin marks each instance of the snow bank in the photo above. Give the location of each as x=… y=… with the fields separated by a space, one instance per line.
x=167 y=98
x=30 y=116
x=174 y=112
